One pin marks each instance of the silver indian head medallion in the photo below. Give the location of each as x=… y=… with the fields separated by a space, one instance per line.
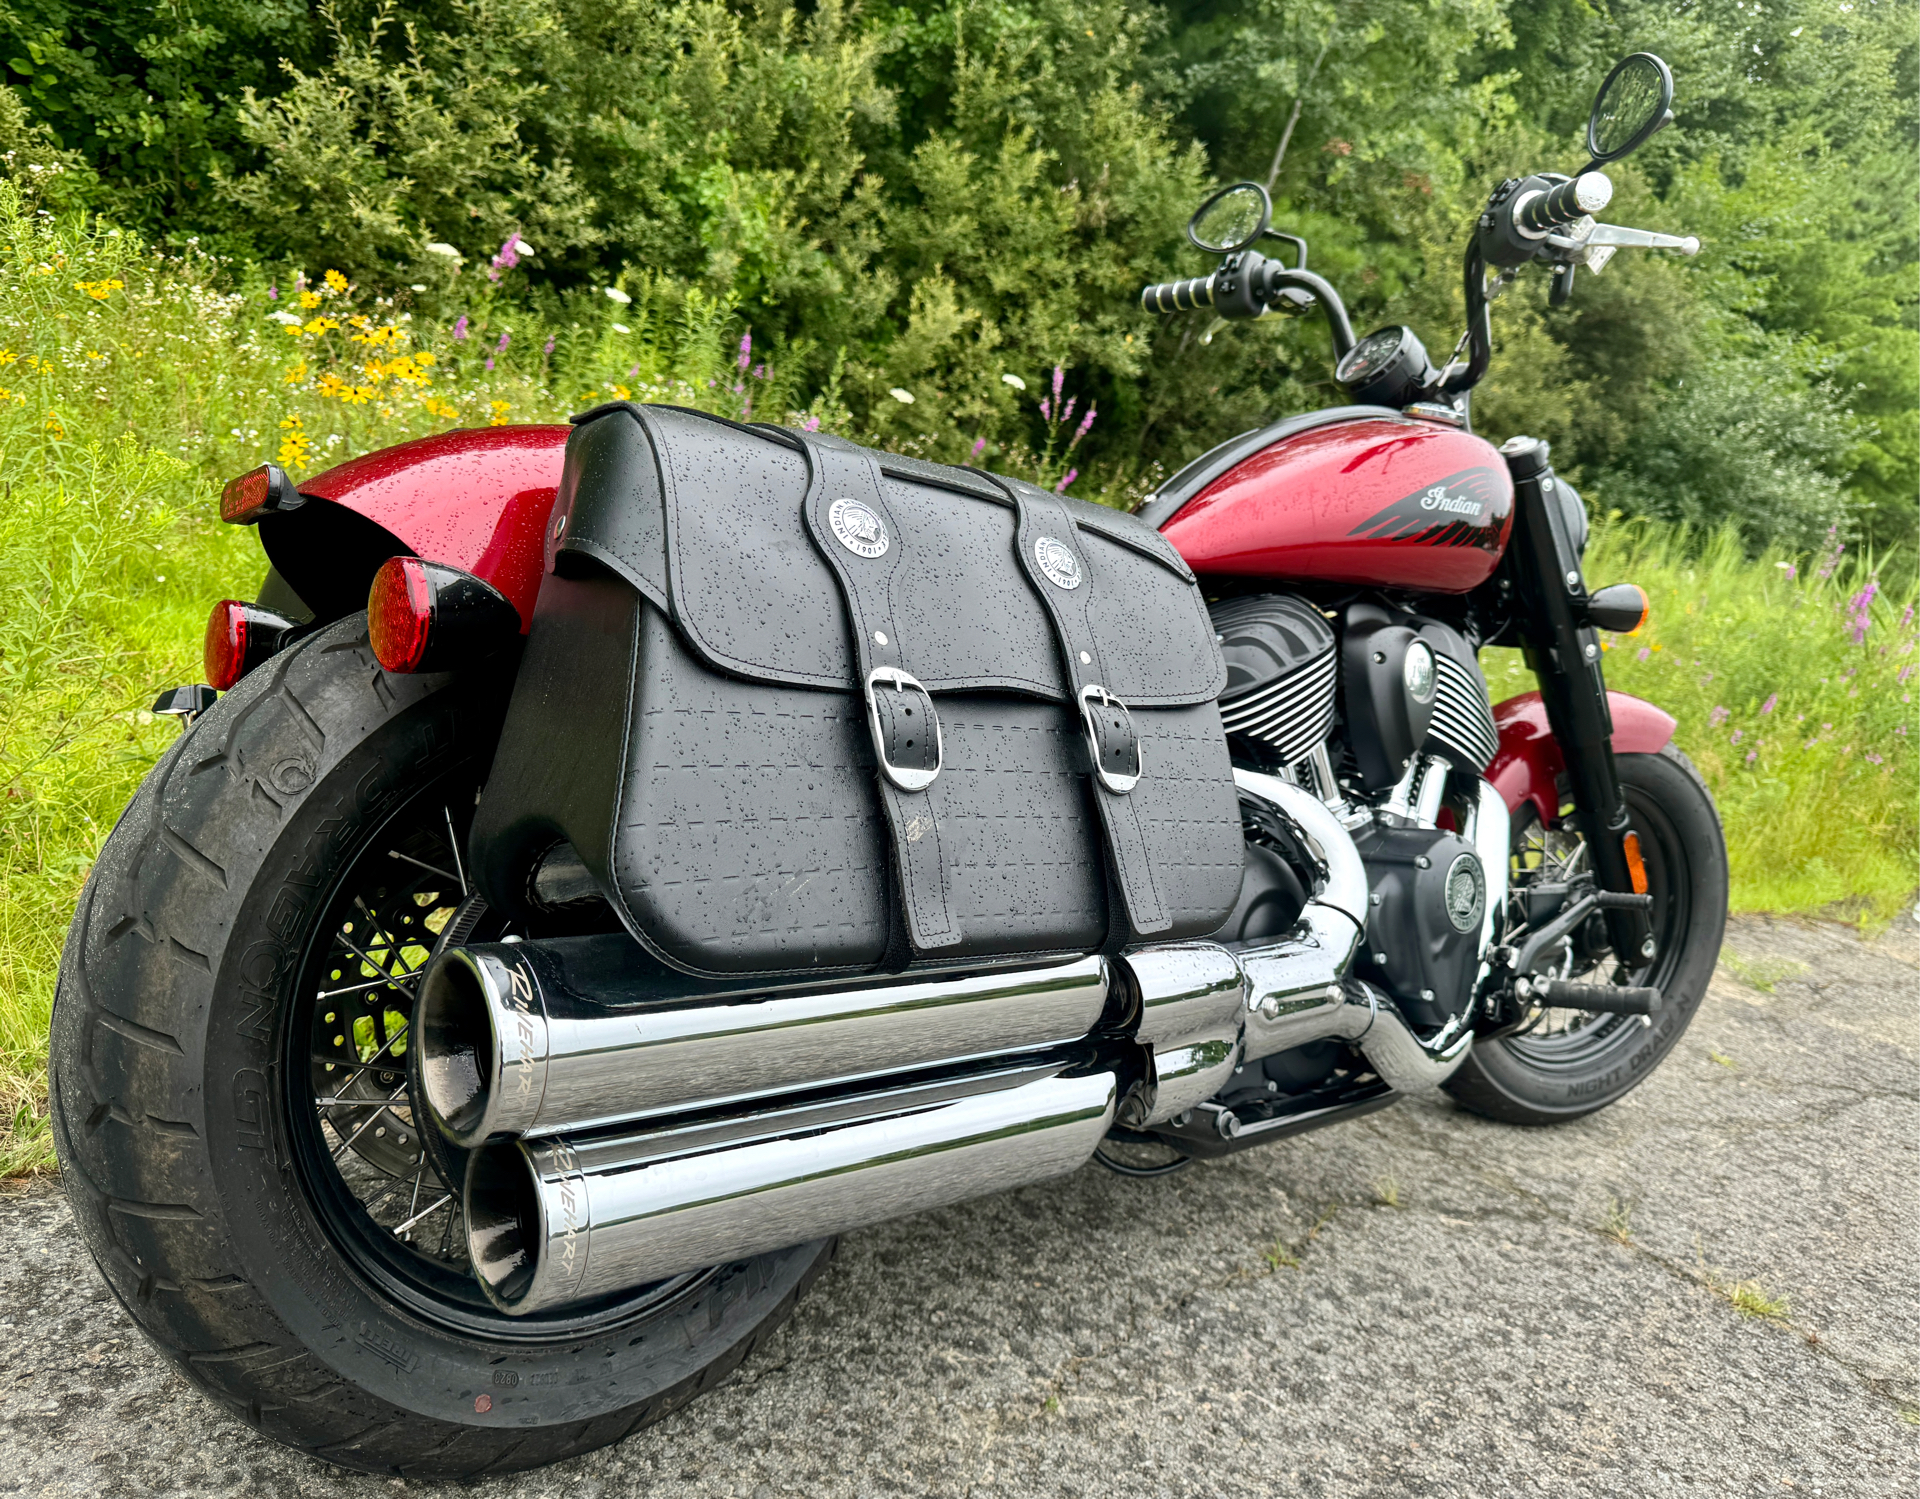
x=1057 y=561
x=860 y=530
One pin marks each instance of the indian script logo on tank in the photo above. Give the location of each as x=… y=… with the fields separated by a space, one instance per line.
x=1462 y=510
x=859 y=529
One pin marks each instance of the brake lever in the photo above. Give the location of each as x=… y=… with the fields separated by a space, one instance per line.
x=1593 y=244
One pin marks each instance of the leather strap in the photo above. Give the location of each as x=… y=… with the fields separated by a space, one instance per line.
x=1055 y=563
x=849 y=521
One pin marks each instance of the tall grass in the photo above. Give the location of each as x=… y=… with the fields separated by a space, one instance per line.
x=1793 y=681
x=132 y=385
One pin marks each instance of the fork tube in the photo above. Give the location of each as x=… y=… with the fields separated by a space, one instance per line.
x=1564 y=652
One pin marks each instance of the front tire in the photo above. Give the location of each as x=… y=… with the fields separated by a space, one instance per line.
x=1547 y=1074
x=205 y=1085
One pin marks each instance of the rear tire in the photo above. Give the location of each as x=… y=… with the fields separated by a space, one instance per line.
x=1531 y=1079
x=185 y=1117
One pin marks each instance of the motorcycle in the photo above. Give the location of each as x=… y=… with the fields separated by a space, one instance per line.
x=606 y=863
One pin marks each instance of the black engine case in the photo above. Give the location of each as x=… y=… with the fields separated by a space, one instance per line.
x=1423 y=926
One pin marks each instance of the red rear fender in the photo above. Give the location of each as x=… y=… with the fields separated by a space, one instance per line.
x=478 y=499
x=1529 y=762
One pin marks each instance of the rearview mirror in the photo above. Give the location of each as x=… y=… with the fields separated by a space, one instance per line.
x=1231 y=219
x=1634 y=102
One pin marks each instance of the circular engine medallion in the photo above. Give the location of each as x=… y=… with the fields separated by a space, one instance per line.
x=1057 y=561
x=1466 y=892
x=860 y=530
x=1419 y=672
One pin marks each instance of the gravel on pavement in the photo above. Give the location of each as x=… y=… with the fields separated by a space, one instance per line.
x=1708 y=1289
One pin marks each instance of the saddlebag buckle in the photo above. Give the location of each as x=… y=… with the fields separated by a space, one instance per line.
x=904 y=741
x=1112 y=739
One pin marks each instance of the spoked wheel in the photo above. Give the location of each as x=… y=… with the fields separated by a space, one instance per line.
x=236 y=1115
x=1564 y=1063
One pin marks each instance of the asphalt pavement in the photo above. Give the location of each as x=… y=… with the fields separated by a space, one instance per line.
x=1712 y=1288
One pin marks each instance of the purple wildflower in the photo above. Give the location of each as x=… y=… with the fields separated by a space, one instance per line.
x=1718 y=716
x=1791 y=571
x=1752 y=755
x=1905 y=672
x=489 y=361
x=505 y=339
x=1907 y=618
x=1046 y=408
x=1059 y=380
x=1061 y=487
x=1066 y=412
x=1086 y=422
x=1738 y=735
x=1873 y=759
x=980 y=446
x=1832 y=559
x=636 y=370
x=460 y=329
x=273 y=295
x=1860 y=610
x=509 y=254
x=811 y=424
x=1646 y=654
x=746 y=350
x=547 y=347
x=1772 y=702
x=759 y=372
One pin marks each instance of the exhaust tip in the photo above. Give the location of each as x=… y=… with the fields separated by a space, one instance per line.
x=503 y=1224
x=462 y=1050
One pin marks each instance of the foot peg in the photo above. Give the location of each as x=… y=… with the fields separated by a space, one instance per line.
x=1598 y=999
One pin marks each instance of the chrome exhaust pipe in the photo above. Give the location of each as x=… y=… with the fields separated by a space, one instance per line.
x=1205 y=1008
x=568 y=1034
x=552 y=1222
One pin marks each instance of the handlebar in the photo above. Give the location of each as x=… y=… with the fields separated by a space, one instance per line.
x=1178 y=296
x=1245 y=286
x=1540 y=213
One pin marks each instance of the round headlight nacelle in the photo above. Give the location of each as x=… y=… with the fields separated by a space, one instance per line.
x=1419 y=673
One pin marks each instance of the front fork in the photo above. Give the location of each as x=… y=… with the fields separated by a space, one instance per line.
x=1563 y=649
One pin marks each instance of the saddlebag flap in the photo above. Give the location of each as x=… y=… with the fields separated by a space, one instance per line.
x=803 y=708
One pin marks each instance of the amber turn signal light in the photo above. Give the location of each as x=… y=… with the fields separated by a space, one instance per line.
x=1621 y=607
x=265 y=490
x=427 y=616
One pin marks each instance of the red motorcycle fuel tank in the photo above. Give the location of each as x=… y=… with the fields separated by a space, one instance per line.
x=1386 y=502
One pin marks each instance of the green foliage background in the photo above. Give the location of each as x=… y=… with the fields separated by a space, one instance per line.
x=802 y=212
x=928 y=194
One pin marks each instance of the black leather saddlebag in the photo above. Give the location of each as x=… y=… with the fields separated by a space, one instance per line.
x=805 y=708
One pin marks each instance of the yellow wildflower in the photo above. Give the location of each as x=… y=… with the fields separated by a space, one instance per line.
x=336 y=281
x=100 y=290
x=500 y=410
x=621 y=393
x=296 y=445
x=424 y=358
x=321 y=325
x=296 y=372
x=53 y=425
x=7 y=356
x=309 y=299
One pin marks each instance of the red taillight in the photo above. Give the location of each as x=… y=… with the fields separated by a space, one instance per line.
x=264 y=491
x=400 y=614
x=431 y=616
x=225 y=653
x=239 y=637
